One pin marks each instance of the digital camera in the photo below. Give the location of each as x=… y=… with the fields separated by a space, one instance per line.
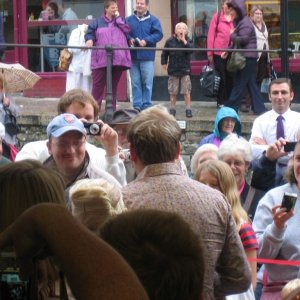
x=126 y=153
x=137 y=42
x=92 y=128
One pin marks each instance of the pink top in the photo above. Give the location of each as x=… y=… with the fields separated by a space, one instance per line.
x=218 y=36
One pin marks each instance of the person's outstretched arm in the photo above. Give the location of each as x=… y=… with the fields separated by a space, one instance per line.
x=93 y=269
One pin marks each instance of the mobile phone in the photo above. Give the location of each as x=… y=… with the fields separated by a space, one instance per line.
x=289 y=201
x=289 y=146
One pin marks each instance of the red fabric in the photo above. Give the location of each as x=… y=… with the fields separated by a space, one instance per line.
x=248 y=237
x=13 y=152
x=221 y=38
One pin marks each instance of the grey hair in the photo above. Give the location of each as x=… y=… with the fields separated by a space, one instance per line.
x=232 y=145
x=202 y=149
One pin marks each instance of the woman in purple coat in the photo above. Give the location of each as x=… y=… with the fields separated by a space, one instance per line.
x=244 y=34
x=111 y=29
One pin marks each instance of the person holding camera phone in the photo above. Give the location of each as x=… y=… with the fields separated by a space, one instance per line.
x=277 y=224
x=108 y=29
x=279 y=122
x=67 y=147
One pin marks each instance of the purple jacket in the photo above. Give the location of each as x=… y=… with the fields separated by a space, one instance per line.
x=244 y=30
x=103 y=32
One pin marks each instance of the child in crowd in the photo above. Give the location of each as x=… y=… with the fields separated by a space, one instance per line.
x=218 y=175
x=178 y=65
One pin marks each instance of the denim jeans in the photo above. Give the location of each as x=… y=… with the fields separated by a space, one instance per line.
x=246 y=78
x=141 y=74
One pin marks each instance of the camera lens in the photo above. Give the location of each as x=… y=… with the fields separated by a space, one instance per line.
x=94 y=129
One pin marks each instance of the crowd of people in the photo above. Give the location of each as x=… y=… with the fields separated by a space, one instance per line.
x=127 y=220
x=229 y=28
x=209 y=230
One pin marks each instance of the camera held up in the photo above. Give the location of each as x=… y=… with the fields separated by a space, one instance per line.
x=92 y=128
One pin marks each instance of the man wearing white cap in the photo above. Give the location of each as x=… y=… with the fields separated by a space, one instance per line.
x=67 y=147
x=3 y=160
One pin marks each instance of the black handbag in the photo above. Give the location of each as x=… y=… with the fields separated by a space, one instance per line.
x=10 y=123
x=210 y=81
x=236 y=60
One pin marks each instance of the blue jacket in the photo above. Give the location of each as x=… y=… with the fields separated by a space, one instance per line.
x=217 y=135
x=147 y=28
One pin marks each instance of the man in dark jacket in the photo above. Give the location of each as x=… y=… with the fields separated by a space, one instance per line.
x=178 y=65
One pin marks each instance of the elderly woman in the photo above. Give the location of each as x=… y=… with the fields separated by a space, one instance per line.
x=202 y=154
x=227 y=121
x=111 y=29
x=277 y=228
x=236 y=152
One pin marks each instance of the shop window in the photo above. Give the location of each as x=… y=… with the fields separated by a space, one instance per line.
x=47 y=28
x=197 y=14
x=271 y=9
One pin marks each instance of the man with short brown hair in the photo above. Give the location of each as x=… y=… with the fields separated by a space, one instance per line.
x=154 y=137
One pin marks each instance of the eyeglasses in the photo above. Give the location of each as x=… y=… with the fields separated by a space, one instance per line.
x=64 y=145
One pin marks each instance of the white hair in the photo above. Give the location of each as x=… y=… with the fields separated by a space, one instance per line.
x=233 y=145
x=211 y=148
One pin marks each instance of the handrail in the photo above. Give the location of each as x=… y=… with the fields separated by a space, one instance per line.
x=110 y=48
x=146 y=48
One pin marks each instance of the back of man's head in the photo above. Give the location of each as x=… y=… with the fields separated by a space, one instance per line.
x=154 y=136
x=163 y=251
x=76 y=96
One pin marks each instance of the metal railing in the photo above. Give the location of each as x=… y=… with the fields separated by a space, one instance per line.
x=109 y=53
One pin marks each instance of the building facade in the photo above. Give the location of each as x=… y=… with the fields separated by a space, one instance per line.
x=25 y=24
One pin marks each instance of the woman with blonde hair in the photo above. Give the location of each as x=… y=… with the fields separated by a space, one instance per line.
x=218 y=175
x=94 y=201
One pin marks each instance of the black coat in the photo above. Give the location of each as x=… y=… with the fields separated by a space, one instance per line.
x=178 y=61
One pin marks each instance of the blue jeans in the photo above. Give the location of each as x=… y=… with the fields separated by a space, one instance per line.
x=141 y=74
x=247 y=78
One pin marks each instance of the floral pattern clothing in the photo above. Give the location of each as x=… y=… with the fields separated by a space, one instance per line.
x=162 y=186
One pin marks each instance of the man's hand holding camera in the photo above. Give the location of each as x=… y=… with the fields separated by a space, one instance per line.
x=108 y=137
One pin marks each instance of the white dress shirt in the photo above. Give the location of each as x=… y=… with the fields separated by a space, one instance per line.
x=265 y=126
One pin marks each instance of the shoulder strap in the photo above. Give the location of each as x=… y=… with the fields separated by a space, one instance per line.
x=249 y=199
